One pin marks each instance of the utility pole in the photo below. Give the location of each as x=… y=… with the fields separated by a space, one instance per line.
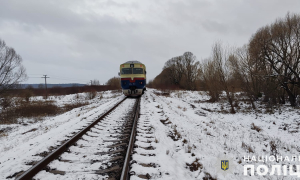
x=45 y=76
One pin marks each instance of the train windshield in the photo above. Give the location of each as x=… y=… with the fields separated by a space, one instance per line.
x=126 y=71
x=137 y=70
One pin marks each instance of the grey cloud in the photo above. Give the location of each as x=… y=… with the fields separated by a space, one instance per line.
x=214 y=26
x=89 y=39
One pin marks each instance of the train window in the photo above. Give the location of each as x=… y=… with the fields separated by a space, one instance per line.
x=126 y=71
x=138 y=71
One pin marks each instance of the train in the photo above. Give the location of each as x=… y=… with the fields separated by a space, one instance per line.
x=133 y=78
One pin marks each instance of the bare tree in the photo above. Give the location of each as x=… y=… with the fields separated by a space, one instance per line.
x=210 y=78
x=12 y=71
x=95 y=82
x=182 y=70
x=245 y=70
x=277 y=46
x=191 y=67
x=114 y=82
x=174 y=70
x=221 y=57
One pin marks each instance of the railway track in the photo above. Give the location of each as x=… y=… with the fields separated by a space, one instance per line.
x=101 y=150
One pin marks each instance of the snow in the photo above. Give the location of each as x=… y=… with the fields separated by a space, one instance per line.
x=77 y=164
x=207 y=134
x=20 y=146
x=173 y=132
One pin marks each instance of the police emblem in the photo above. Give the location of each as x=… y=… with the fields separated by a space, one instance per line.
x=224 y=165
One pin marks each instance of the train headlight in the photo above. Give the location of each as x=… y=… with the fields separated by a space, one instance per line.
x=141 y=82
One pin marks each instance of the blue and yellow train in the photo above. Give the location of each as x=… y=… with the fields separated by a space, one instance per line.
x=133 y=78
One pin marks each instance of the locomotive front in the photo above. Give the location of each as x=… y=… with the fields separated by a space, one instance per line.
x=133 y=78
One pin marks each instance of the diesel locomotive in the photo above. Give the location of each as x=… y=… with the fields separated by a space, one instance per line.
x=133 y=78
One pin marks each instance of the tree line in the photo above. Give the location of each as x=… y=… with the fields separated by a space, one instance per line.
x=269 y=65
x=12 y=72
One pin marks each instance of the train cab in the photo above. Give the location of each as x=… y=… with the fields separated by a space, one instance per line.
x=133 y=78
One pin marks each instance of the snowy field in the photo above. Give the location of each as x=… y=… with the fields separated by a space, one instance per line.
x=180 y=136
x=21 y=144
x=190 y=137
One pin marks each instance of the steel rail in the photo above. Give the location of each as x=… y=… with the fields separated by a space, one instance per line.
x=125 y=170
x=61 y=149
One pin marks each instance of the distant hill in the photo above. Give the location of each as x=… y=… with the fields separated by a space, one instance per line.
x=23 y=86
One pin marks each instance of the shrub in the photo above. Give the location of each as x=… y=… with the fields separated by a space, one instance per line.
x=6 y=102
x=69 y=107
x=28 y=110
x=91 y=95
x=27 y=94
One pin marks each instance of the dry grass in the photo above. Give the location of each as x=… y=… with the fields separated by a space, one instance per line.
x=254 y=127
x=212 y=122
x=34 y=109
x=273 y=148
x=179 y=94
x=166 y=94
x=69 y=107
x=194 y=166
x=91 y=95
x=3 y=135
x=239 y=161
x=236 y=104
x=209 y=134
x=167 y=152
x=206 y=109
x=175 y=135
x=189 y=149
x=208 y=176
x=248 y=148
x=27 y=110
x=166 y=122
x=4 y=131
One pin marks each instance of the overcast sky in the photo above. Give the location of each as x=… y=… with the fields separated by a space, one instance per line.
x=79 y=40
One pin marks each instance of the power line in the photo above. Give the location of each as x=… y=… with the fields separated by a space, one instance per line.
x=45 y=76
x=66 y=79
x=71 y=80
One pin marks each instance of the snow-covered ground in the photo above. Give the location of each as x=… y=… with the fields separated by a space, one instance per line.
x=84 y=161
x=180 y=136
x=21 y=144
x=184 y=137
